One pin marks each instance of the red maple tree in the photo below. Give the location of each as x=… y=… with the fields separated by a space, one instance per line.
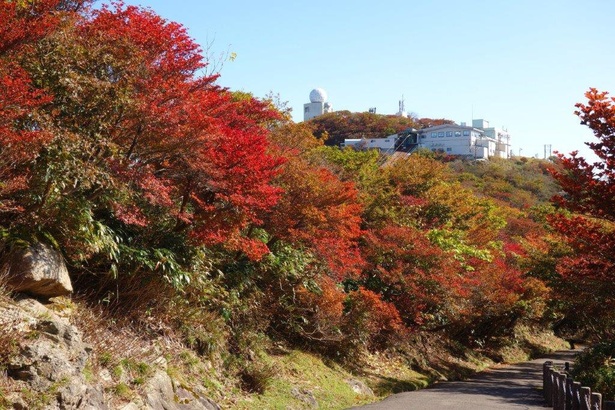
x=589 y=192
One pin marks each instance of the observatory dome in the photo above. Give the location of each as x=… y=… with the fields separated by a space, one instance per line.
x=318 y=95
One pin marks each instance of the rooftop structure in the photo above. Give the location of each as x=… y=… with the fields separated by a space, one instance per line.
x=318 y=104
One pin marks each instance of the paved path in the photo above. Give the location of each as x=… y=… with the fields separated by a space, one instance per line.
x=513 y=387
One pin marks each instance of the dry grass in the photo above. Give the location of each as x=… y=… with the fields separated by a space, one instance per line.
x=112 y=341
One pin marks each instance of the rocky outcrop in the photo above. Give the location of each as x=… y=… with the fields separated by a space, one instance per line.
x=360 y=388
x=38 y=270
x=305 y=396
x=49 y=361
x=162 y=393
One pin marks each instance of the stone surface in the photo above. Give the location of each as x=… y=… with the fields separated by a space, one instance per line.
x=305 y=396
x=161 y=394
x=50 y=359
x=49 y=363
x=37 y=270
x=359 y=387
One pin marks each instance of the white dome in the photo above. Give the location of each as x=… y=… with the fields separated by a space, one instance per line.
x=318 y=95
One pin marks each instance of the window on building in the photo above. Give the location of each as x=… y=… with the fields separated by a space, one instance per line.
x=466 y=133
x=307 y=109
x=458 y=133
x=449 y=149
x=449 y=133
x=434 y=134
x=441 y=134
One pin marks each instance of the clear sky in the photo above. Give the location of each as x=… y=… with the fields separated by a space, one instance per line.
x=520 y=64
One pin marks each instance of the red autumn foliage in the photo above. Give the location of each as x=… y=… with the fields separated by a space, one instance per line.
x=419 y=278
x=590 y=187
x=194 y=141
x=590 y=191
x=498 y=295
x=24 y=22
x=144 y=136
x=593 y=243
x=319 y=212
x=371 y=320
x=322 y=312
x=20 y=139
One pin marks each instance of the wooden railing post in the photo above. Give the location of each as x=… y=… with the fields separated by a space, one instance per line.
x=561 y=391
x=554 y=389
x=547 y=367
x=586 y=398
x=596 y=401
x=576 y=396
x=569 y=382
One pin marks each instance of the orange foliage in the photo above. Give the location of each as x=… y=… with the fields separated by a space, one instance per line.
x=320 y=212
x=373 y=320
x=419 y=278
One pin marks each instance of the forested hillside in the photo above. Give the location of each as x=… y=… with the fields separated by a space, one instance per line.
x=206 y=218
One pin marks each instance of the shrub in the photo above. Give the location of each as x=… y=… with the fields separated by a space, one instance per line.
x=372 y=321
x=595 y=368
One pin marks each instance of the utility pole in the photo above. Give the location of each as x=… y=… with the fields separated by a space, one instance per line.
x=547 y=150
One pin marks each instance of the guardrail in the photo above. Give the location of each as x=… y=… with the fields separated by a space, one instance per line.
x=561 y=392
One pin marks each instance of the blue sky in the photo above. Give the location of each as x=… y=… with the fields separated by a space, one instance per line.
x=521 y=64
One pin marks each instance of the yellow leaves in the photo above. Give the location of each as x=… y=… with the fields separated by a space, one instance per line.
x=291 y=139
x=415 y=174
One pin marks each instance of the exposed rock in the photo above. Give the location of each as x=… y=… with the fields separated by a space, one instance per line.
x=105 y=376
x=49 y=362
x=130 y=406
x=305 y=395
x=359 y=387
x=37 y=270
x=50 y=359
x=161 y=394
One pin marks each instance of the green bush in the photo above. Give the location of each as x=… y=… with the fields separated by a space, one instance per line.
x=596 y=368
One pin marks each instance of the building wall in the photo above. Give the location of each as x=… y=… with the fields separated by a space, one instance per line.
x=383 y=144
x=500 y=136
x=455 y=140
x=452 y=139
x=311 y=110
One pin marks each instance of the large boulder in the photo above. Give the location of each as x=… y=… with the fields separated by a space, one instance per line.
x=38 y=270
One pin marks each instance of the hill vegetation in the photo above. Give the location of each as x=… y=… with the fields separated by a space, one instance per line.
x=208 y=219
x=336 y=126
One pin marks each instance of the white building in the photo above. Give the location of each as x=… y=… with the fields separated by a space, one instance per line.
x=478 y=141
x=382 y=144
x=318 y=104
x=501 y=137
x=405 y=141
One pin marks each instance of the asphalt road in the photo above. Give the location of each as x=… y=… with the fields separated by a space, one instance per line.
x=513 y=387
